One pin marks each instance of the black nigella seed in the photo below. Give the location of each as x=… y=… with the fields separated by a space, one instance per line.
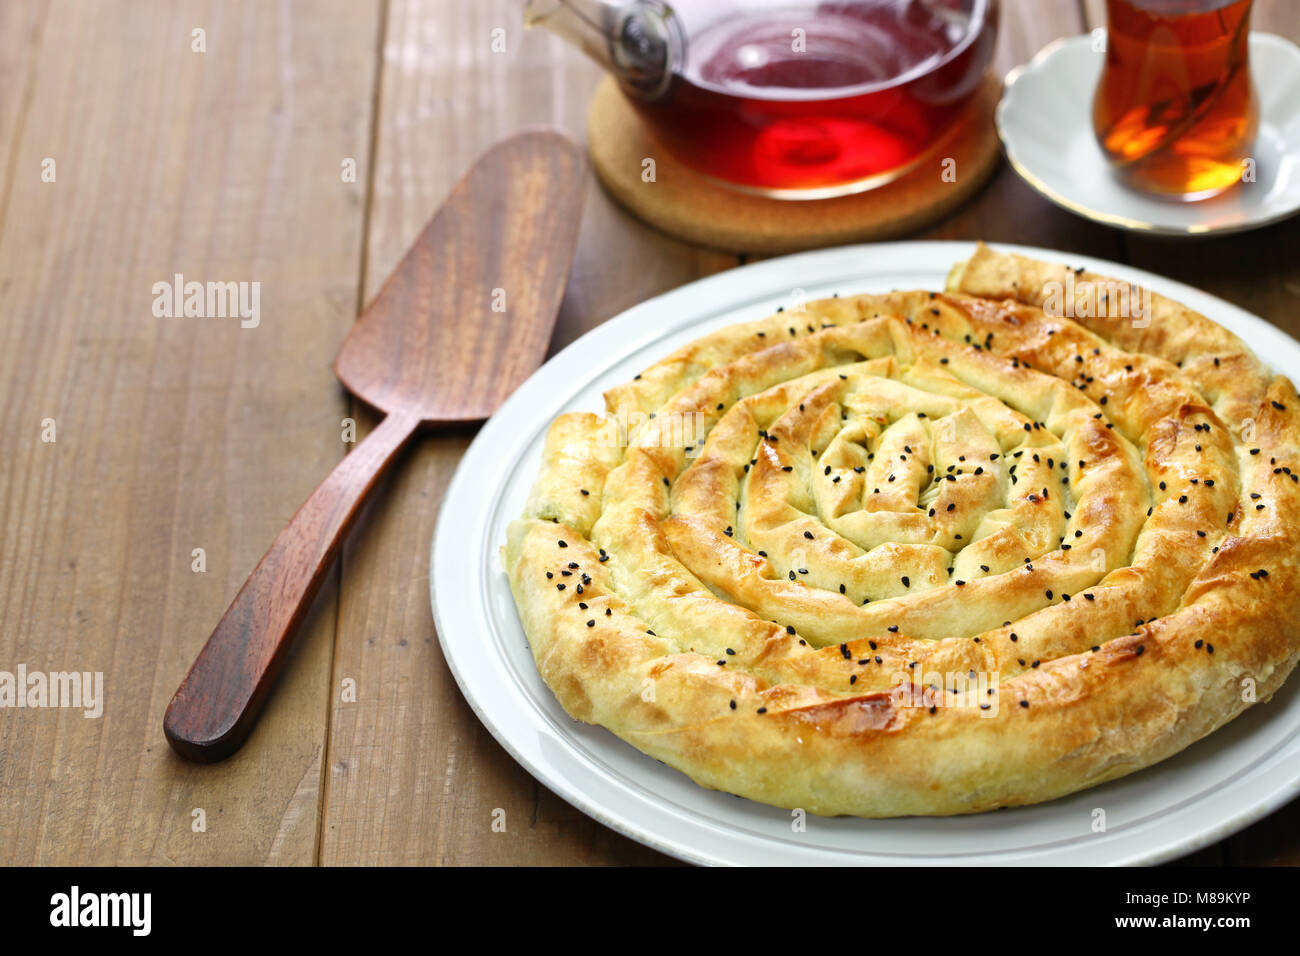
x=844 y=649
x=562 y=543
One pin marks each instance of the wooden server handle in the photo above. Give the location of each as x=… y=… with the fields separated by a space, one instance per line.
x=217 y=704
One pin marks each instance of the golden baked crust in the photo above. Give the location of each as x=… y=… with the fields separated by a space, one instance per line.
x=923 y=553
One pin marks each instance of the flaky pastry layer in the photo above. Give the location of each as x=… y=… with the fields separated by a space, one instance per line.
x=923 y=553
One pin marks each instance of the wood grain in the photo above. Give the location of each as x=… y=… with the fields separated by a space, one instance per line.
x=172 y=433
x=413 y=777
x=183 y=433
x=218 y=703
x=1259 y=272
x=462 y=320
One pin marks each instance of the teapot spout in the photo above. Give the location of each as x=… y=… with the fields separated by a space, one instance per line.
x=587 y=24
x=641 y=42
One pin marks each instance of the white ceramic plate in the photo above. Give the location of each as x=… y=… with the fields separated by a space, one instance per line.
x=1213 y=788
x=1045 y=122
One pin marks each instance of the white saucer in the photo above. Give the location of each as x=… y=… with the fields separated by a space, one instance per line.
x=1045 y=122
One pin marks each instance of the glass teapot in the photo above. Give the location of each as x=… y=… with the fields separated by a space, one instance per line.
x=795 y=99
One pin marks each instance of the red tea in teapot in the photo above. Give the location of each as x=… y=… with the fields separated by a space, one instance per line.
x=807 y=100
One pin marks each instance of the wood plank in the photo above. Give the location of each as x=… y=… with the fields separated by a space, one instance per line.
x=1254 y=271
x=413 y=777
x=1277 y=16
x=20 y=36
x=1094 y=14
x=1026 y=26
x=172 y=433
x=1007 y=209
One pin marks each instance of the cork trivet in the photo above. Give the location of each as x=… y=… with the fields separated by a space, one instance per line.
x=691 y=207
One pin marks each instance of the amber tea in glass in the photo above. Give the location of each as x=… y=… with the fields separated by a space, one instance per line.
x=1176 y=111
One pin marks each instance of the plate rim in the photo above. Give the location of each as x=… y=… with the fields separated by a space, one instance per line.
x=949 y=252
x=1115 y=220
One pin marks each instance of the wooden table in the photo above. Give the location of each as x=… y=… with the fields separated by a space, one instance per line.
x=177 y=434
